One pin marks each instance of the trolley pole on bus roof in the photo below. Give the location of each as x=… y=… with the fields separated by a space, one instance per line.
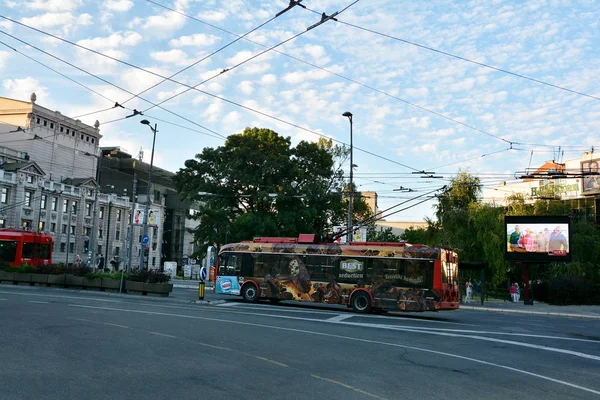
x=351 y=187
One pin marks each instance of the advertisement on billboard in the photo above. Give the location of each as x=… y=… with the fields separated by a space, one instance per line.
x=591 y=179
x=153 y=215
x=359 y=234
x=537 y=239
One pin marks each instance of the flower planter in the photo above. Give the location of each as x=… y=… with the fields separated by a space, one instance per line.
x=39 y=279
x=92 y=283
x=73 y=281
x=158 y=289
x=7 y=277
x=56 y=280
x=111 y=285
x=134 y=287
x=20 y=278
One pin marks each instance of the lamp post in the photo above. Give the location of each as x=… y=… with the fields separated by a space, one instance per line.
x=349 y=115
x=148 y=188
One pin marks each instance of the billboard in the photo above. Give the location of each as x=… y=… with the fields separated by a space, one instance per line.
x=591 y=180
x=537 y=238
x=153 y=215
x=359 y=235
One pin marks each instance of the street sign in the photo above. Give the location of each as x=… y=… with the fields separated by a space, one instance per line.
x=203 y=273
x=145 y=240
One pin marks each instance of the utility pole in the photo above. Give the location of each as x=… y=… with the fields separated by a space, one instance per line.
x=91 y=252
x=148 y=188
x=69 y=209
x=131 y=225
x=351 y=189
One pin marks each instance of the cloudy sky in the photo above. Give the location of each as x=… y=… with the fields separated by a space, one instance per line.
x=410 y=72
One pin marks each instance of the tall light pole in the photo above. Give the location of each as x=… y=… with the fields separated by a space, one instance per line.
x=349 y=115
x=148 y=188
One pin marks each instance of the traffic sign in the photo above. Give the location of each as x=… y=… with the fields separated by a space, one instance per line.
x=145 y=240
x=203 y=273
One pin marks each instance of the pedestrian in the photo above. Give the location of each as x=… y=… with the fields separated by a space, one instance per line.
x=100 y=262
x=517 y=293
x=513 y=291
x=114 y=264
x=469 y=288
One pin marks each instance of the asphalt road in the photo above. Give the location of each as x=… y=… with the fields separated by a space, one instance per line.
x=60 y=344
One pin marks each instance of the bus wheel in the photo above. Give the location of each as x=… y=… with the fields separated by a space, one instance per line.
x=361 y=303
x=250 y=293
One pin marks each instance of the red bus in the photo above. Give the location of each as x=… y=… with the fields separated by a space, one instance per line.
x=366 y=276
x=18 y=247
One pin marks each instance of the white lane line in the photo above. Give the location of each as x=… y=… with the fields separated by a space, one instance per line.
x=3 y=299
x=228 y=305
x=442 y=353
x=38 y=302
x=64 y=297
x=339 y=318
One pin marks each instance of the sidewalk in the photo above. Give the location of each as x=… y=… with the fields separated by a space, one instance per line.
x=590 y=312
x=189 y=283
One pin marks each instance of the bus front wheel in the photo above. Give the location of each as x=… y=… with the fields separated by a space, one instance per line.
x=250 y=293
x=361 y=303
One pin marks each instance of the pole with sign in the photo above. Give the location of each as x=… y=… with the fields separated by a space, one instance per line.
x=203 y=275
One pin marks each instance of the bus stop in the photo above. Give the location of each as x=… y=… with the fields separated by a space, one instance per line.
x=472 y=266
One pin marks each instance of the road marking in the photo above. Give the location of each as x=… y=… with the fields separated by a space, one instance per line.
x=339 y=318
x=401 y=346
x=271 y=361
x=117 y=325
x=3 y=299
x=163 y=334
x=38 y=302
x=230 y=304
x=97 y=322
x=347 y=387
x=214 y=347
x=64 y=297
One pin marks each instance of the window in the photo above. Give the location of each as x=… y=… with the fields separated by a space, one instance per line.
x=52 y=226
x=264 y=264
x=41 y=226
x=117 y=235
x=117 y=249
x=61 y=129
x=99 y=249
x=87 y=138
x=37 y=120
x=45 y=123
x=178 y=220
x=65 y=206
x=26 y=223
x=43 y=202
x=28 y=196
x=74 y=209
x=71 y=247
x=155 y=231
x=63 y=247
x=29 y=178
x=153 y=261
x=4 y=198
x=73 y=133
x=87 y=231
x=101 y=213
x=100 y=233
x=82 y=137
x=118 y=215
x=92 y=140
x=64 y=228
x=54 y=203
x=2 y=225
x=157 y=196
x=320 y=268
x=88 y=209
x=51 y=125
x=72 y=229
x=154 y=246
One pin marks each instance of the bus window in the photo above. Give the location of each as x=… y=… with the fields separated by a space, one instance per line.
x=234 y=264
x=222 y=263
x=384 y=268
x=247 y=265
x=8 y=251
x=27 y=250
x=42 y=251
x=320 y=267
x=266 y=264
x=419 y=273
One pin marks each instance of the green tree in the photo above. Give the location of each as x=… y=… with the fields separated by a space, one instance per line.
x=257 y=184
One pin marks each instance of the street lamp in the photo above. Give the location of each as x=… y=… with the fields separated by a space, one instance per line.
x=148 y=188
x=349 y=115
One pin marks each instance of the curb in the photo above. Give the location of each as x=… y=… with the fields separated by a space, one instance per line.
x=189 y=286
x=504 y=310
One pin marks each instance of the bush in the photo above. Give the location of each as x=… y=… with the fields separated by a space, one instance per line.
x=100 y=275
x=149 y=276
x=573 y=291
x=76 y=270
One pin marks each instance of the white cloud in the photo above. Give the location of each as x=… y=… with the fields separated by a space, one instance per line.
x=163 y=24
x=112 y=41
x=246 y=87
x=197 y=39
x=212 y=16
x=419 y=93
x=239 y=57
x=137 y=21
x=118 y=5
x=4 y=56
x=268 y=79
x=21 y=89
x=302 y=76
x=49 y=20
x=54 y=5
x=213 y=111
x=6 y=25
x=253 y=68
x=174 y=56
x=84 y=19
x=232 y=118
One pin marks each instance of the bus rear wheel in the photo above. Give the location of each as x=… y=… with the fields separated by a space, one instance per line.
x=250 y=293
x=361 y=303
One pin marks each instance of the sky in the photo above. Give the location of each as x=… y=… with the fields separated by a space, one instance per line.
x=411 y=73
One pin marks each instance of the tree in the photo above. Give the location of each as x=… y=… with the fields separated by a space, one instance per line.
x=257 y=184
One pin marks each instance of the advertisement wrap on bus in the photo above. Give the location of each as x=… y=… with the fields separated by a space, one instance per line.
x=366 y=276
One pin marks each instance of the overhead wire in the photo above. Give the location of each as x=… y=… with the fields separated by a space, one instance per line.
x=199 y=90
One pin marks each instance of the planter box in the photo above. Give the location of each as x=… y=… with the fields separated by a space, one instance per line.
x=92 y=283
x=158 y=289
x=72 y=280
x=39 y=279
x=7 y=276
x=56 y=280
x=21 y=278
x=134 y=287
x=112 y=285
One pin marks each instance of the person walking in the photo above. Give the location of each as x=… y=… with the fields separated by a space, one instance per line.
x=517 y=293
x=469 y=288
x=513 y=291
